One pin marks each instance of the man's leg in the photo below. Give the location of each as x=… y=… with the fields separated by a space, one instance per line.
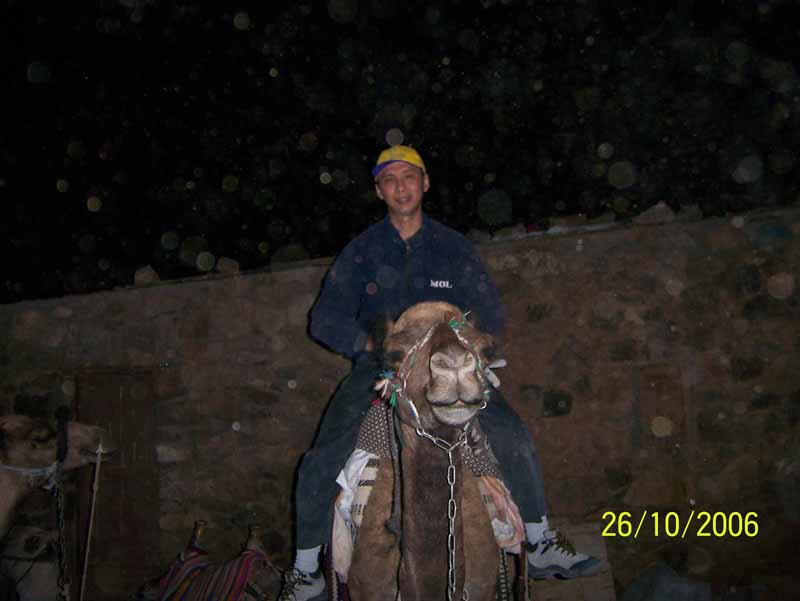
x=316 y=487
x=550 y=554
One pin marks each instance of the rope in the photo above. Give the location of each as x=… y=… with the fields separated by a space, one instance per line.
x=95 y=488
x=32 y=472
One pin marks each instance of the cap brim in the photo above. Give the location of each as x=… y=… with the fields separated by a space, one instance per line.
x=378 y=168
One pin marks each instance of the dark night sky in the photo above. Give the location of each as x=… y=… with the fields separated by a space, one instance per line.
x=146 y=132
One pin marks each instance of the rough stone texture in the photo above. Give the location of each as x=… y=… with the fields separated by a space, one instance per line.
x=656 y=366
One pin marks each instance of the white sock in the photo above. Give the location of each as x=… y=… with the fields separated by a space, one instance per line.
x=535 y=530
x=307 y=560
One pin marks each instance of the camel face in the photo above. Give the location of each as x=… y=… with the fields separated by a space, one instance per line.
x=84 y=442
x=26 y=442
x=454 y=393
x=444 y=380
x=29 y=442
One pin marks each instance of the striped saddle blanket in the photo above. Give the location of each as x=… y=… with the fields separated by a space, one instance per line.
x=194 y=578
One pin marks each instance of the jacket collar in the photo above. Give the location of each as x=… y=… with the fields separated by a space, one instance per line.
x=414 y=241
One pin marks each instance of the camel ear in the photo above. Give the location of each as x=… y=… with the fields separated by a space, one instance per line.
x=458 y=316
x=381 y=328
x=396 y=346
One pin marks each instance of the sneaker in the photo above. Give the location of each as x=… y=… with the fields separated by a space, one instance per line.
x=300 y=586
x=553 y=556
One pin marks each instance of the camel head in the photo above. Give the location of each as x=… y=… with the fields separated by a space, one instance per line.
x=33 y=443
x=446 y=380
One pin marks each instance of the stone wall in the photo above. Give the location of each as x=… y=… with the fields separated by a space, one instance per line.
x=656 y=365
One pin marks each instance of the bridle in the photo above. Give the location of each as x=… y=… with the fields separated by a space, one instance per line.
x=394 y=385
x=35 y=473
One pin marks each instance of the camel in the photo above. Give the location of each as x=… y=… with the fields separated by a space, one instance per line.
x=426 y=532
x=30 y=561
x=28 y=457
x=192 y=577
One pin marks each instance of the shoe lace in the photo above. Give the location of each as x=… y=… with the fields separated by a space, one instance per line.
x=291 y=578
x=560 y=542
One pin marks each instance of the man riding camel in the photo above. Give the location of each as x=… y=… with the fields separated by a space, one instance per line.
x=398 y=262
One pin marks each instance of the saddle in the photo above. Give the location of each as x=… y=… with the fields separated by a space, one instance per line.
x=194 y=578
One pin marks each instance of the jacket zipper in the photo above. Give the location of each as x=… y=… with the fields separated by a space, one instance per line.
x=407 y=269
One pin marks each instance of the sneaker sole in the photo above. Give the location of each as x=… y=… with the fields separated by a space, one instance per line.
x=323 y=596
x=590 y=568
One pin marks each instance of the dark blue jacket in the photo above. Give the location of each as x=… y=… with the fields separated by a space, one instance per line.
x=379 y=275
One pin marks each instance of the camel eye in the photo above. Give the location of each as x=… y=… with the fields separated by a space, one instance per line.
x=395 y=356
x=31 y=544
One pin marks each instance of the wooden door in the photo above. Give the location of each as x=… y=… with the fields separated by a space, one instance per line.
x=124 y=544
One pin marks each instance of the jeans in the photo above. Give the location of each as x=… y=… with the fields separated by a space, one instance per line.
x=336 y=438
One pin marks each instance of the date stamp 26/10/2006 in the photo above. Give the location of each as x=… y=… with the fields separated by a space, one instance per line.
x=671 y=524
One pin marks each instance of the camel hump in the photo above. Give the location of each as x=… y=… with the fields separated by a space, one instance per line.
x=427 y=314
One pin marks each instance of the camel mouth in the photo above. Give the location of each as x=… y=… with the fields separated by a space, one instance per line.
x=455 y=414
x=91 y=454
x=454 y=404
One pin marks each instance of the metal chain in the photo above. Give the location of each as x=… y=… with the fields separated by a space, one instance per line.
x=452 y=509
x=63 y=574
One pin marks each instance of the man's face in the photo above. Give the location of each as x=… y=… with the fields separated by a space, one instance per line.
x=401 y=186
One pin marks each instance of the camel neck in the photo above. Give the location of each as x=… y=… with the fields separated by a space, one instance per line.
x=14 y=488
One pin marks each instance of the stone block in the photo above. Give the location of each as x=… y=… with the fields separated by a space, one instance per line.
x=172 y=454
x=661 y=405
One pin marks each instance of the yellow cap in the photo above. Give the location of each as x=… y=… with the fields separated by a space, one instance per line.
x=398 y=153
